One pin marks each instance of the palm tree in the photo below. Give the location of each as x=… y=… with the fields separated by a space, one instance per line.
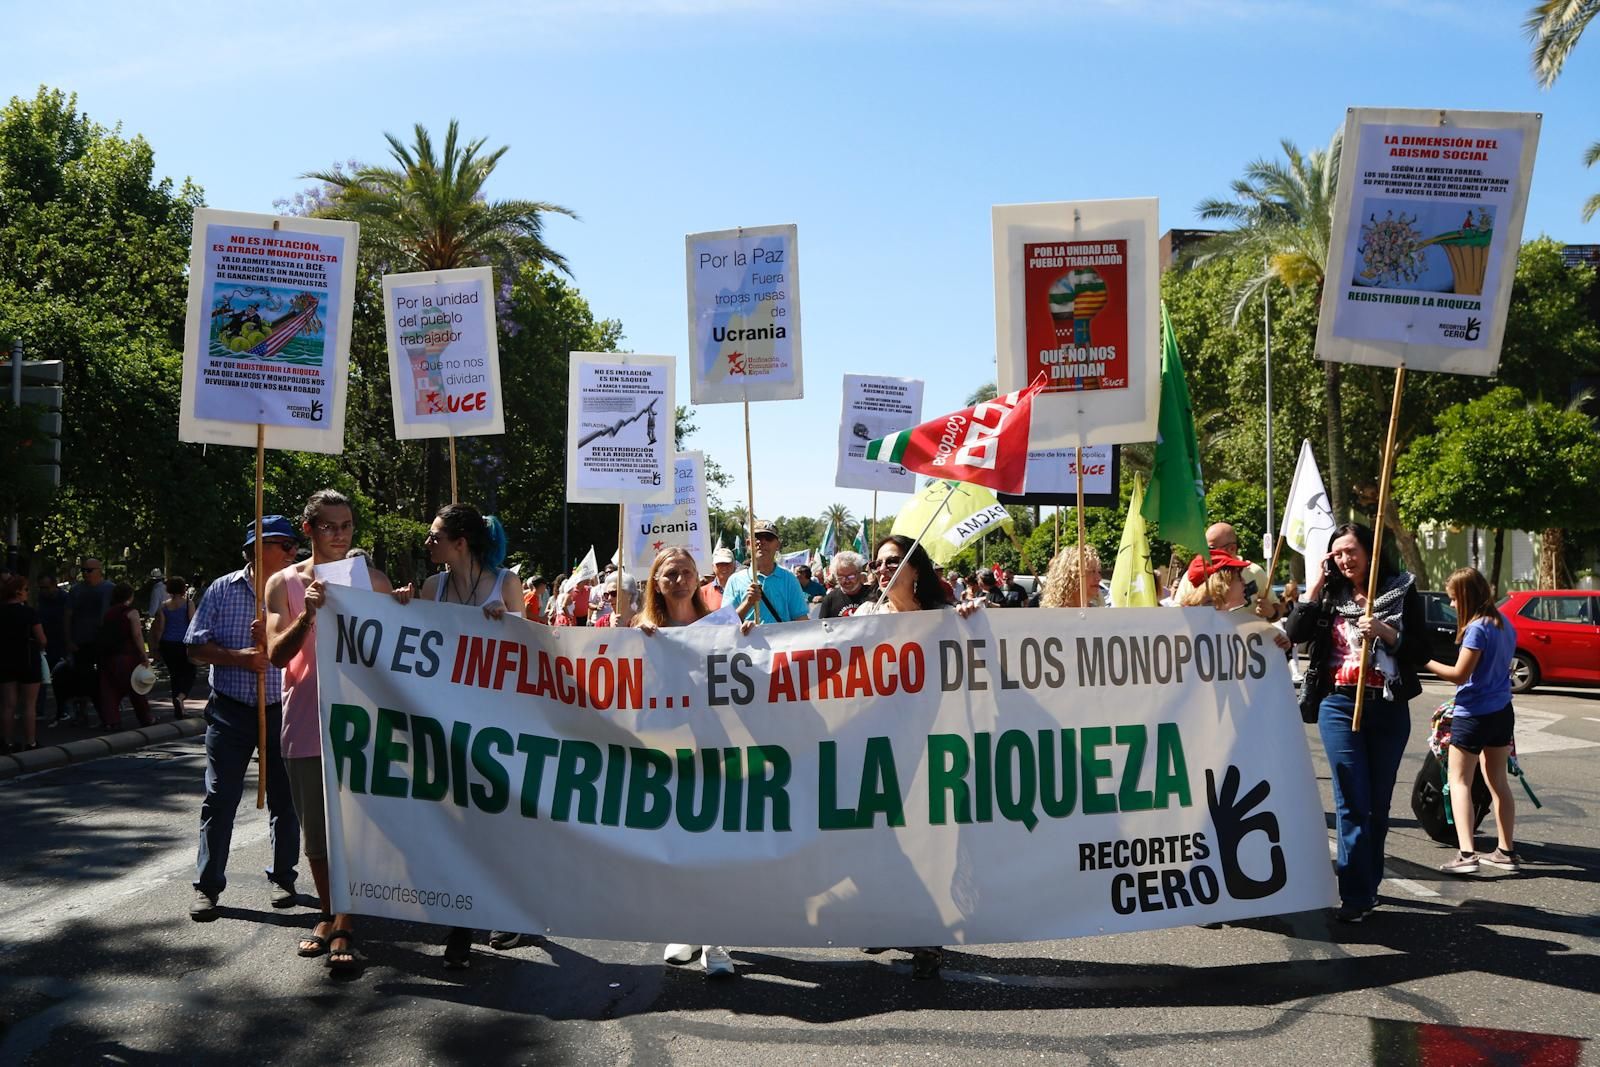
x=844 y=523
x=430 y=212
x=1554 y=26
x=1591 y=206
x=1282 y=215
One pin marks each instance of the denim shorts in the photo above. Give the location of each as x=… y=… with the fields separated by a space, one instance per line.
x=1474 y=733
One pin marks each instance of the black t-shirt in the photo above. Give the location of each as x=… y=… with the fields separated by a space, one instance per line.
x=837 y=600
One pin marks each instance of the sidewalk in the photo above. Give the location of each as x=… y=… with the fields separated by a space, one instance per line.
x=76 y=743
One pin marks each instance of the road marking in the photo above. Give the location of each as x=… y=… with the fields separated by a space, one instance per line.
x=1591 y=718
x=1416 y=889
x=97 y=900
x=1533 y=736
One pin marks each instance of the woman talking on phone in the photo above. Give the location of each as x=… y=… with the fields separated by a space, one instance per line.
x=1336 y=620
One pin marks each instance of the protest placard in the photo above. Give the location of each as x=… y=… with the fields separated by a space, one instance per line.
x=444 y=353
x=1052 y=477
x=267 y=339
x=1426 y=231
x=744 y=315
x=620 y=428
x=901 y=779
x=1076 y=296
x=874 y=407
x=649 y=528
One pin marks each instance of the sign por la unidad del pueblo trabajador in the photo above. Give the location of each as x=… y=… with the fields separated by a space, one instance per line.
x=875 y=407
x=267 y=339
x=907 y=779
x=620 y=428
x=1426 y=232
x=444 y=353
x=1076 y=297
x=649 y=528
x=744 y=315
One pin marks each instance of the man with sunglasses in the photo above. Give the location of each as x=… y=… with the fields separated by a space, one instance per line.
x=226 y=635
x=775 y=595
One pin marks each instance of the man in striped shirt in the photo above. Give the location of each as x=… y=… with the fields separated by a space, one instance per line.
x=225 y=634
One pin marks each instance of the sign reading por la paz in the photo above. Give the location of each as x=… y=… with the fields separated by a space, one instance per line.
x=1426 y=231
x=444 y=354
x=744 y=315
x=649 y=528
x=620 y=428
x=1076 y=297
x=267 y=339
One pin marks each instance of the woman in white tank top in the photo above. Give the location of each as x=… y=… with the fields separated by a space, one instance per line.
x=471 y=549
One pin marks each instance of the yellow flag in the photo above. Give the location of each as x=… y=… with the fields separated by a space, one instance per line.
x=1133 y=584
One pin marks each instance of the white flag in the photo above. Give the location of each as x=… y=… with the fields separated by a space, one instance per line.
x=589 y=568
x=1308 y=518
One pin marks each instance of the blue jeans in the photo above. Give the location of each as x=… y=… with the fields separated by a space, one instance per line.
x=230 y=742
x=1364 y=767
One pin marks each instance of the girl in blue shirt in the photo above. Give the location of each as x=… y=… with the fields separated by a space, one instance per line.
x=1481 y=727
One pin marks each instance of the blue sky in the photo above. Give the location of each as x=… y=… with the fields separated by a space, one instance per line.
x=884 y=128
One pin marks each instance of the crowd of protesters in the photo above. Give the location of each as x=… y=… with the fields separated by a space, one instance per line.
x=90 y=638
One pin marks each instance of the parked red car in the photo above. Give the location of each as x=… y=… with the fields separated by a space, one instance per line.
x=1558 y=637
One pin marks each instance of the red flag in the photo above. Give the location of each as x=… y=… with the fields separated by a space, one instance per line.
x=986 y=444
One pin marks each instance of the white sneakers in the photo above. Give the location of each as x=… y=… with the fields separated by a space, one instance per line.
x=714 y=958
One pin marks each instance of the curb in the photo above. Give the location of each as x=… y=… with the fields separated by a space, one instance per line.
x=51 y=757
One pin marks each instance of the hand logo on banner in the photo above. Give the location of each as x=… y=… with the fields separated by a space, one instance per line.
x=1228 y=815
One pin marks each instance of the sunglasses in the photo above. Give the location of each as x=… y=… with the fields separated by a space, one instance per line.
x=766 y=537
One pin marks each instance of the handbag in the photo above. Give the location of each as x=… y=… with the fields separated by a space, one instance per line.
x=1314 y=681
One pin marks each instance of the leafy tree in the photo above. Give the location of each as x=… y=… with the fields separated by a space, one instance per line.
x=430 y=211
x=1282 y=216
x=1502 y=462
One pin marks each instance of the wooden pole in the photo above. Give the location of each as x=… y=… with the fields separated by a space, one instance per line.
x=622 y=534
x=1083 y=568
x=872 y=531
x=455 y=495
x=750 y=503
x=1272 y=567
x=1377 y=536
x=261 y=614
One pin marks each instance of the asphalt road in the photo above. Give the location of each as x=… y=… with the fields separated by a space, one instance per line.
x=99 y=962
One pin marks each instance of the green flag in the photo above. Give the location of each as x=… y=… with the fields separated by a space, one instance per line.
x=861 y=539
x=1176 y=500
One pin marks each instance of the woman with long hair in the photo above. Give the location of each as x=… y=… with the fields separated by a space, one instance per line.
x=170 y=624
x=120 y=648
x=908 y=582
x=1337 y=620
x=673 y=597
x=22 y=645
x=1483 y=720
x=1061 y=580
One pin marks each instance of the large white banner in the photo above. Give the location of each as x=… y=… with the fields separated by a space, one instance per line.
x=1426 y=231
x=1076 y=295
x=900 y=779
x=875 y=406
x=680 y=524
x=620 y=428
x=744 y=314
x=267 y=338
x=444 y=354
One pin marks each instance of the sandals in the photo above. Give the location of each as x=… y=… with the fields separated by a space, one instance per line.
x=343 y=960
x=504 y=940
x=314 y=944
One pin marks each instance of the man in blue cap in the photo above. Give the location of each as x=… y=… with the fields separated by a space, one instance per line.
x=226 y=635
